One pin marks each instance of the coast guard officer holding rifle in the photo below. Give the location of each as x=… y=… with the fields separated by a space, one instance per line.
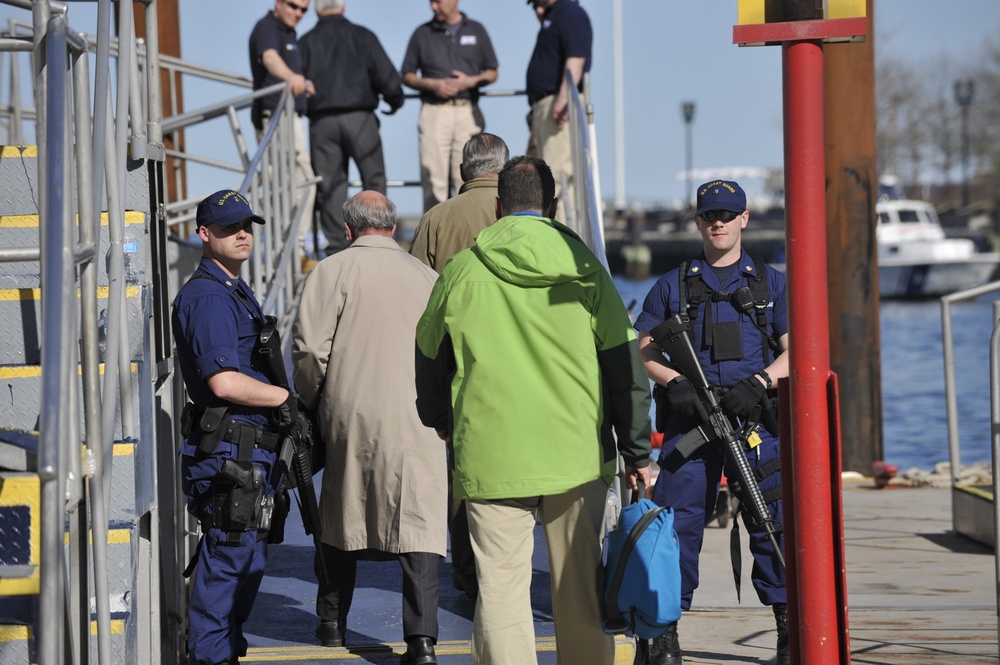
x=232 y=427
x=742 y=346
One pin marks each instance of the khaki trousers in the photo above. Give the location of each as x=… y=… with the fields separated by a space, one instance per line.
x=503 y=629
x=444 y=130
x=553 y=144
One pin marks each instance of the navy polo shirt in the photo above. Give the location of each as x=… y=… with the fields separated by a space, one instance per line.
x=436 y=49
x=271 y=33
x=663 y=302
x=565 y=33
x=216 y=323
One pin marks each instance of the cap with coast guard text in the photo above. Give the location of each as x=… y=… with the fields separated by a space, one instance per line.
x=721 y=195
x=226 y=208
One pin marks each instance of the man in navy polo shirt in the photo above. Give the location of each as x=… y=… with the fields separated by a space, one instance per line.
x=274 y=57
x=743 y=353
x=232 y=427
x=564 y=42
x=455 y=58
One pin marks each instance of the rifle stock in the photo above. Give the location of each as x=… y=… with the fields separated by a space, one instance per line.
x=673 y=339
x=294 y=454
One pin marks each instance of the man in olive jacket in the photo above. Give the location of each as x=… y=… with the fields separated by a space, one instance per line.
x=529 y=335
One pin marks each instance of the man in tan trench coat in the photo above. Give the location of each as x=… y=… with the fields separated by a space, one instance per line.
x=384 y=492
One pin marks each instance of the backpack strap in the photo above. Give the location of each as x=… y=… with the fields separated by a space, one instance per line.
x=761 y=299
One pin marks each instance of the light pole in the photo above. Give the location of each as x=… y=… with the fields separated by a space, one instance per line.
x=963 y=97
x=687 y=110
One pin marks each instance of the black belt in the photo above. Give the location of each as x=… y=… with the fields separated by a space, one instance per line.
x=244 y=434
x=449 y=102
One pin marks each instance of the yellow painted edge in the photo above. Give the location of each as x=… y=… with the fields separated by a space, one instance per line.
x=115 y=537
x=749 y=12
x=117 y=627
x=123 y=449
x=7 y=295
x=14 y=633
x=982 y=491
x=19 y=151
x=31 y=371
x=24 y=489
x=31 y=221
x=844 y=9
x=624 y=651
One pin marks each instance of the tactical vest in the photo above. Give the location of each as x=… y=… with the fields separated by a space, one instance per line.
x=692 y=291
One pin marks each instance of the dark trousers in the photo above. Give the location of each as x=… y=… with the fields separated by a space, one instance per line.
x=333 y=140
x=463 y=561
x=420 y=588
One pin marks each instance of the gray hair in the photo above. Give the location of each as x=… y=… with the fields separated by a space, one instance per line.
x=329 y=5
x=362 y=213
x=483 y=155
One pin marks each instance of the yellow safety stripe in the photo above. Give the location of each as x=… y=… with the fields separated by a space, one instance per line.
x=31 y=371
x=31 y=221
x=8 y=295
x=9 y=151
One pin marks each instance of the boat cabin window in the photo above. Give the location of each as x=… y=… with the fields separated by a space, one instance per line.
x=909 y=216
x=883 y=218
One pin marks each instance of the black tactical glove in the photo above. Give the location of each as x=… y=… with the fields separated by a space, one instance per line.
x=743 y=397
x=683 y=399
x=287 y=414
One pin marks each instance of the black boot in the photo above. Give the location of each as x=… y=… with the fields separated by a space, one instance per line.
x=781 y=620
x=666 y=649
x=419 y=651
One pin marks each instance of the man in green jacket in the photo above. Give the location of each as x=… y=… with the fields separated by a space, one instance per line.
x=526 y=358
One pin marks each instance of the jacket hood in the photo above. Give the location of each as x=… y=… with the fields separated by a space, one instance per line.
x=526 y=250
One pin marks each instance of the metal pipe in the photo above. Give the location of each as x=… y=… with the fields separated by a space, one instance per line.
x=50 y=628
x=817 y=620
x=154 y=111
x=86 y=257
x=950 y=392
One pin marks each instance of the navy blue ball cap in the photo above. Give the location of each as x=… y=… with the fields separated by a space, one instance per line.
x=721 y=195
x=225 y=208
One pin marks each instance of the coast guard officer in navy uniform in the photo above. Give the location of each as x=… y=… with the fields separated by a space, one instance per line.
x=232 y=429
x=743 y=351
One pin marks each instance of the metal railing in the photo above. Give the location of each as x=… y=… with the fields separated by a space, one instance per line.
x=951 y=406
x=68 y=233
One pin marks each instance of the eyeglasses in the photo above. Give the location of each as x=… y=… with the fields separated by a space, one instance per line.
x=725 y=215
x=292 y=5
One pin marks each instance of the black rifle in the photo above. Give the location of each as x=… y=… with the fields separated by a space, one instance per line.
x=295 y=451
x=673 y=339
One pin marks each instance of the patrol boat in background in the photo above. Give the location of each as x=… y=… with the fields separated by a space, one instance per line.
x=915 y=258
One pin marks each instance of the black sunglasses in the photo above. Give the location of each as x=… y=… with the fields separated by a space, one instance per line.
x=725 y=215
x=295 y=6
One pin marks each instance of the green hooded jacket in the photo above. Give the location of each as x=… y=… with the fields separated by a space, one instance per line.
x=526 y=355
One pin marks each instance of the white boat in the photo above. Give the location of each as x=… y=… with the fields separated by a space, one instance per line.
x=915 y=258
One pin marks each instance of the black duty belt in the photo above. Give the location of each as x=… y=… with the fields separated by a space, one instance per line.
x=246 y=434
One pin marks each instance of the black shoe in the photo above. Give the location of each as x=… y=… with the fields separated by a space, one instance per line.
x=666 y=649
x=331 y=633
x=781 y=621
x=419 y=651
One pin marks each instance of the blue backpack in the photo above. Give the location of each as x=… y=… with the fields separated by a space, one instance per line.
x=642 y=577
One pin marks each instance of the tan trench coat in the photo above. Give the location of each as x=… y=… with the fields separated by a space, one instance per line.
x=385 y=481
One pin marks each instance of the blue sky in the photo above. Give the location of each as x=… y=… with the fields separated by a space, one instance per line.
x=674 y=51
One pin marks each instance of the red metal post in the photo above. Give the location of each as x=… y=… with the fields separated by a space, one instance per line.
x=805 y=209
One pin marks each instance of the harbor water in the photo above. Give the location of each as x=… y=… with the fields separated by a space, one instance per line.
x=915 y=428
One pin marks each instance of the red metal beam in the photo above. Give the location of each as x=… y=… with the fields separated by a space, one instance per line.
x=838 y=29
x=816 y=606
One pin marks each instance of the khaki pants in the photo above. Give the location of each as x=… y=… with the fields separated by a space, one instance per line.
x=503 y=629
x=553 y=144
x=444 y=130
